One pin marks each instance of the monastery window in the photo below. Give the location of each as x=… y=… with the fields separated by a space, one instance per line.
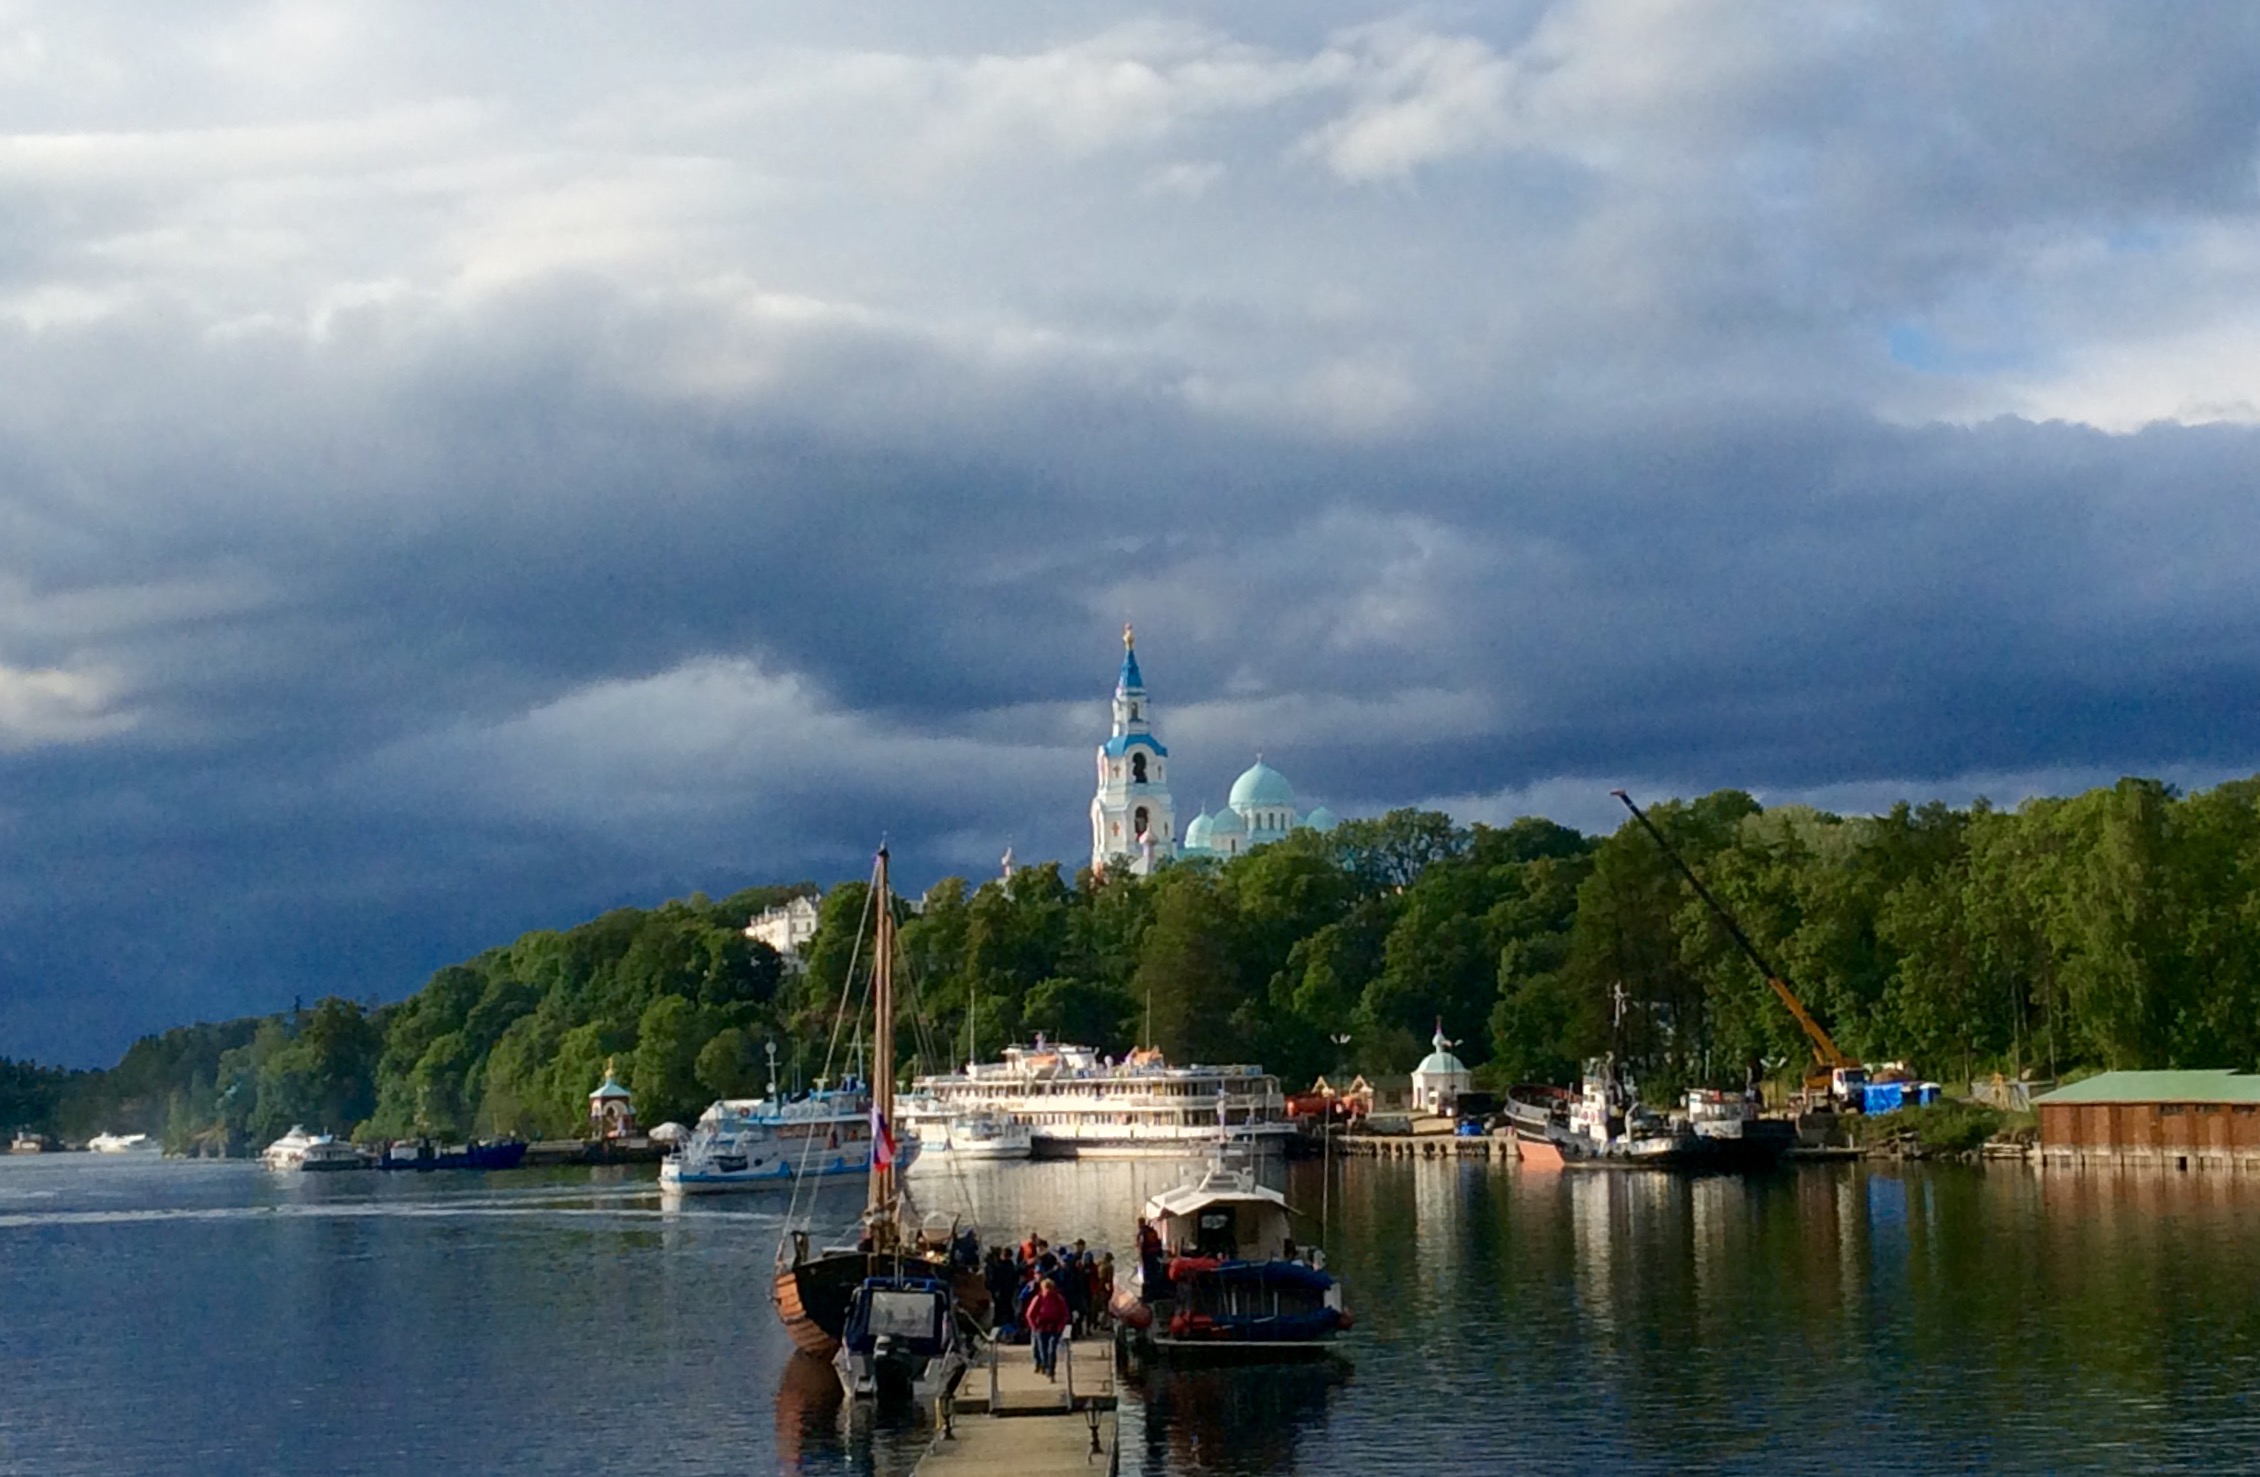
x=1137 y=769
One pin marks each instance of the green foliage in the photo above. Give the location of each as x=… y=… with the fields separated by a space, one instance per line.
x=2116 y=928
x=1949 y=1126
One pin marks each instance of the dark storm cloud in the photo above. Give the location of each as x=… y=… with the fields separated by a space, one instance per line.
x=442 y=497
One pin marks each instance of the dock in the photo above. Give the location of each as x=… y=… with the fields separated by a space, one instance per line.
x=1009 y=1421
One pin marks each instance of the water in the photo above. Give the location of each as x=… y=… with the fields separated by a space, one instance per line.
x=166 y=1317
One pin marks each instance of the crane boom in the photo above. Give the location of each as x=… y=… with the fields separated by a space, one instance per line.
x=1825 y=1049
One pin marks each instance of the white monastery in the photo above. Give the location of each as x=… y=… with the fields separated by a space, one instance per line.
x=1133 y=819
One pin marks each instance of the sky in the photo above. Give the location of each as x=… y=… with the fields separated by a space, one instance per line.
x=463 y=468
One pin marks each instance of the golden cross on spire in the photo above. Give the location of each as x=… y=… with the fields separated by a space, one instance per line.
x=1128 y=640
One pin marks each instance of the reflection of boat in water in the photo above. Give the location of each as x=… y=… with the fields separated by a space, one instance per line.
x=424 y=1154
x=819 y=1297
x=1605 y=1125
x=1219 y=1277
x=1237 y=1420
x=808 y=1413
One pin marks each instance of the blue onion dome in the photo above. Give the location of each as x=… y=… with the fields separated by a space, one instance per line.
x=1322 y=819
x=1226 y=823
x=1262 y=785
x=1197 y=832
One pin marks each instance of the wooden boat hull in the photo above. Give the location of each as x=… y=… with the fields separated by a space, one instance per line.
x=813 y=1297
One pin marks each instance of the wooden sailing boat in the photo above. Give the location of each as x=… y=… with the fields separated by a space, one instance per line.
x=813 y=1293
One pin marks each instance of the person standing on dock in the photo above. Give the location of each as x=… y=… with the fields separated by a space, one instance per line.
x=1047 y=1320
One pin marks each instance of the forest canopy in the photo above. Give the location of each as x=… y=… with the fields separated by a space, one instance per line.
x=2117 y=928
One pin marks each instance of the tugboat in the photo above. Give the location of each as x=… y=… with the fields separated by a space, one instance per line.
x=1219 y=1278
x=1605 y=1125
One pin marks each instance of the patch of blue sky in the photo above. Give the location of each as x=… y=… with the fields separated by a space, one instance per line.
x=1925 y=352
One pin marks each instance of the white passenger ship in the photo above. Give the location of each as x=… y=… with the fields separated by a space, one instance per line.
x=1078 y=1105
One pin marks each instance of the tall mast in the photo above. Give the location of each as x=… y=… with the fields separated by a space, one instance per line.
x=882 y=1186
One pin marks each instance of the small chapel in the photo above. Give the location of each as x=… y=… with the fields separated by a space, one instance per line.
x=1134 y=820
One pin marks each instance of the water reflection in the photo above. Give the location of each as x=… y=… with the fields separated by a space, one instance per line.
x=1236 y=1421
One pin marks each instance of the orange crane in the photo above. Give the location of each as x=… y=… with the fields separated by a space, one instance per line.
x=1838 y=1075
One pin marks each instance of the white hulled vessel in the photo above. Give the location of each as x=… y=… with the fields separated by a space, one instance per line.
x=121 y=1143
x=767 y=1143
x=1077 y=1105
x=974 y=1135
x=310 y=1152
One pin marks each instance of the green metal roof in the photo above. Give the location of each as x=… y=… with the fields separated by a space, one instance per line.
x=2211 y=1085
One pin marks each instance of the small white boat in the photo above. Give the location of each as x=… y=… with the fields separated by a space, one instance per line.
x=975 y=1135
x=120 y=1143
x=311 y=1152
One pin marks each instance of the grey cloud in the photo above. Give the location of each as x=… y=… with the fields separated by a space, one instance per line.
x=450 y=487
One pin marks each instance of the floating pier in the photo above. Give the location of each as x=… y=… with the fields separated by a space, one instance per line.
x=1009 y=1421
x=1425 y=1146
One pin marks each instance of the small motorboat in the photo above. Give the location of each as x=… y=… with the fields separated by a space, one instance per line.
x=121 y=1143
x=902 y=1344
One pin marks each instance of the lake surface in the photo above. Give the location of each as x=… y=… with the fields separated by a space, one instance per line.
x=168 y=1317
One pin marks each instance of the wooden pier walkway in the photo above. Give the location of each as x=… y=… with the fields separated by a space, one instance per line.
x=1009 y=1421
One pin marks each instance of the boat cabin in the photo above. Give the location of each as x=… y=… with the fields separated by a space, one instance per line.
x=1228 y=1217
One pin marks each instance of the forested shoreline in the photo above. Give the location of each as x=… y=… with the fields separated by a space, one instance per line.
x=2116 y=928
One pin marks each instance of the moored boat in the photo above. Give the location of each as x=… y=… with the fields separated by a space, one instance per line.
x=121 y=1143
x=1076 y=1104
x=1604 y=1125
x=973 y=1136
x=27 y=1141
x=1220 y=1279
x=901 y=1343
x=817 y=1295
x=423 y=1154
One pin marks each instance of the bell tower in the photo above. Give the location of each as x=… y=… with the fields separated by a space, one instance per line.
x=1132 y=821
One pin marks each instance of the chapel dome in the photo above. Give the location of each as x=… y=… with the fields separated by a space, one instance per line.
x=1262 y=785
x=1226 y=823
x=1322 y=819
x=1197 y=831
x=1440 y=1064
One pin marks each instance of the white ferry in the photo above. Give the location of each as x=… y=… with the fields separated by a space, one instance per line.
x=311 y=1152
x=1077 y=1104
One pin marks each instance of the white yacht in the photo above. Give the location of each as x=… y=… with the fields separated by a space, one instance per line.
x=766 y=1143
x=120 y=1143
x=1076 y=1104
x=975 y=1135
x=311 y=1152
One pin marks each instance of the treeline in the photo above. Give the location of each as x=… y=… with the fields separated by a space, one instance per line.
x=2117 y=928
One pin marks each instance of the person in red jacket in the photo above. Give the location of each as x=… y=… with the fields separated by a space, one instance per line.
x=1047 y=1320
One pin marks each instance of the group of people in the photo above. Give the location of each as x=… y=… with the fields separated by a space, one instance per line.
x=1041 y=1293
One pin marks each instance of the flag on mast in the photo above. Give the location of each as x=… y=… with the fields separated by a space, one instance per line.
x=882 y=1140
